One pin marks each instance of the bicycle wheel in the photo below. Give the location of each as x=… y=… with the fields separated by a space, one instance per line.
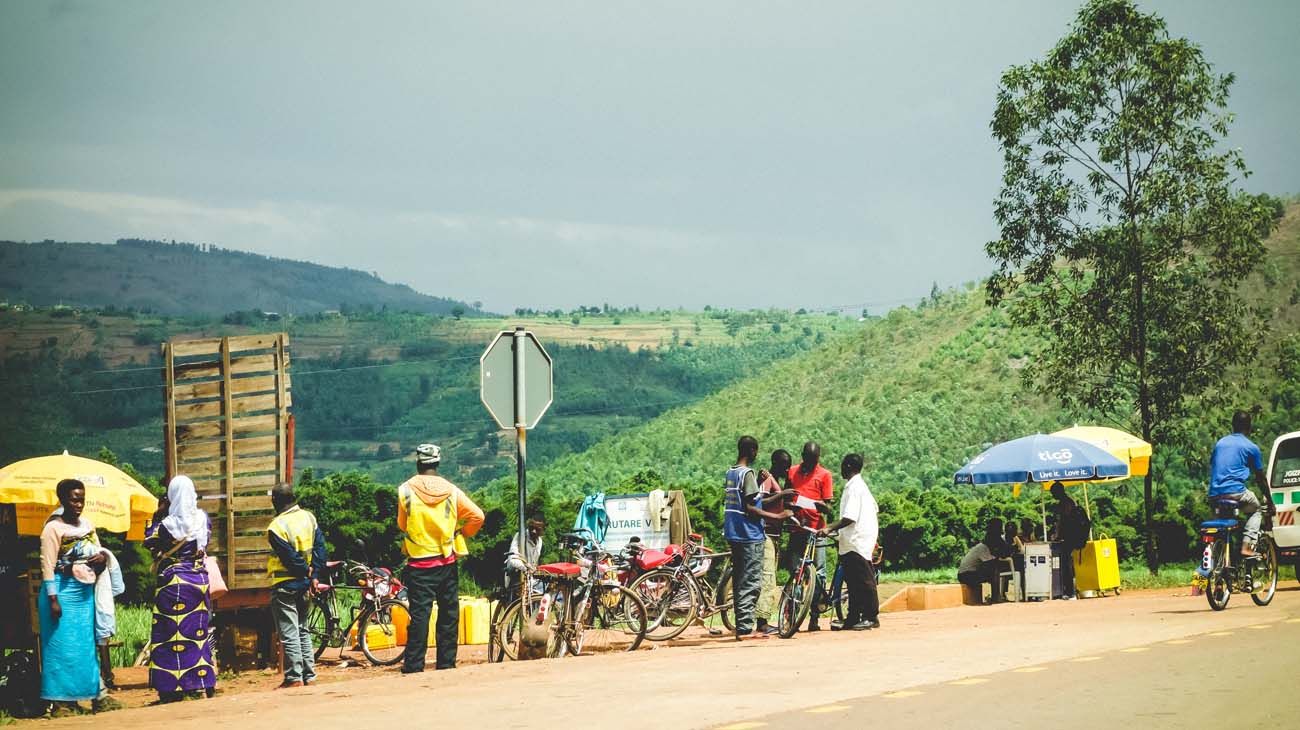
x=322 y=624
x=670 y=602
x=725 y=600
x=504 y=644
x=382 y=632
x=1263 y=571
x=1218 y=587
x=615 y=620
x=796 y=601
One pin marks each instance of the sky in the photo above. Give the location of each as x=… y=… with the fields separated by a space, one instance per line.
x=554 y=154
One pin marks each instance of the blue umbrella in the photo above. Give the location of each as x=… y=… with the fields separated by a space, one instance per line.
x=1041 y=458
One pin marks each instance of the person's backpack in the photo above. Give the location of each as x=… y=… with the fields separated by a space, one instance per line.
x=1080 y=527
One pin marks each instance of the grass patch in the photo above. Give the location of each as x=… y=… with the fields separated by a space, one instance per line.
x=133 y=625
x=933 y=575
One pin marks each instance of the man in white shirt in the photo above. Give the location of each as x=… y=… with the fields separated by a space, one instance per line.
x=518 y=561
x=858 y=529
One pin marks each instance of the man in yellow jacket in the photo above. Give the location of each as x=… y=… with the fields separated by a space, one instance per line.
x=296 y=565
x=434 y=514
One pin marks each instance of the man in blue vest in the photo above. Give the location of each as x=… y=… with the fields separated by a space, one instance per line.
x=743 y=527
x=1234 y=460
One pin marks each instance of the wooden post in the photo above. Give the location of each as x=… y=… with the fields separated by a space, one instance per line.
x=169 y=377
x=281 y=405
x=229 y=426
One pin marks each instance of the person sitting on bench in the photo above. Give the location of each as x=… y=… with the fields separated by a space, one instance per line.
x=980 y=564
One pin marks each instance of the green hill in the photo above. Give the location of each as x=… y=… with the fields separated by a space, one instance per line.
x=188 y=279
x=919 y=392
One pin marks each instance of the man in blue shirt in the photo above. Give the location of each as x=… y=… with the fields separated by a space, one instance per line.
x=1234 y=458
x=743 y=527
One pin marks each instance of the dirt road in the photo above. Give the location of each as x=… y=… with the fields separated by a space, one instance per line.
x=713 y=682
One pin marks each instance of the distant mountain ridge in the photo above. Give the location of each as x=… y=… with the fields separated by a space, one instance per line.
x=193 y=279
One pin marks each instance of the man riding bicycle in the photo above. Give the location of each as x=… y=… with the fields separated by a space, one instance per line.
x=1233 y=460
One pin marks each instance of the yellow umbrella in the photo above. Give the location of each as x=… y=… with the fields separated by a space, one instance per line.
x=114 y=501
x=1123 y=445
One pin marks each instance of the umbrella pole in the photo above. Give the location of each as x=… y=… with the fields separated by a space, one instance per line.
x=1042 y=506
x=1087 y=509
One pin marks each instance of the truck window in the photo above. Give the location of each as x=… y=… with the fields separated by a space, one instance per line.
x=1286 y=465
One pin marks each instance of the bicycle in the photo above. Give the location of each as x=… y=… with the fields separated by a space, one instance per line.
x=580 y=607
x=677 y=595
x=1256 y=575
x=382 y=608
x=805 y=583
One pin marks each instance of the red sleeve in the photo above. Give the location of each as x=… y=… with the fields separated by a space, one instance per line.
x=828 y=491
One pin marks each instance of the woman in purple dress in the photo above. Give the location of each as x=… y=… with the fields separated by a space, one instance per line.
x=180 y=658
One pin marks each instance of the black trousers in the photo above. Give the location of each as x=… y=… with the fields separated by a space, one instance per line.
x=860 y=581
x=986 y=573
x=423 y=587
x=1067 y=573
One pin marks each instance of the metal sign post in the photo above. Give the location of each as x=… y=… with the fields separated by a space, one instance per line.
x=521 y=439
x=518 y=400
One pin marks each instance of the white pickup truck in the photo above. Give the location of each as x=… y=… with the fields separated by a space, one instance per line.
x=1284 y=483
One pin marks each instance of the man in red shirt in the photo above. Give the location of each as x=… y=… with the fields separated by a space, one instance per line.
x=812 y=481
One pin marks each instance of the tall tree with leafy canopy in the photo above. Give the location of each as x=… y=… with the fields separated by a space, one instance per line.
x=1125 y=236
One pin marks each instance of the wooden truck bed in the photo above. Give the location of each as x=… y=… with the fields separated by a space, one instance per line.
x=227 y=422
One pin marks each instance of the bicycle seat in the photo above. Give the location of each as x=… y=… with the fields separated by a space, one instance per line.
x=650 y=558
x=1225 y=524
x=561 y=569
x=332 y=564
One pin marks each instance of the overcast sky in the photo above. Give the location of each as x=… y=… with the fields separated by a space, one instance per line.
x=549 y=154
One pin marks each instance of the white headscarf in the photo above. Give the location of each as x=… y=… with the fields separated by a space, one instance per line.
x=185 y=521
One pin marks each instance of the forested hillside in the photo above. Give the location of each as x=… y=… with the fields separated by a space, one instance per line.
x=188 y=279
x=919 y=393
x=369 y=386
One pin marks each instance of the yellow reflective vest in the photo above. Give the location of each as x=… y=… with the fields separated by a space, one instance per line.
x=297 y=527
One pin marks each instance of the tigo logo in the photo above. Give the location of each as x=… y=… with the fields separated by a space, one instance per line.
x=1064 y=456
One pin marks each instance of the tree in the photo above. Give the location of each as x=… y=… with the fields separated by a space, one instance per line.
x=458 y=311
x=1124 y=235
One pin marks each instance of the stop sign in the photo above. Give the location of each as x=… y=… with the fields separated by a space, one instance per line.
x=497 y=371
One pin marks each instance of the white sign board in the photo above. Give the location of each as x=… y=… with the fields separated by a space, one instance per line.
x=629 y=517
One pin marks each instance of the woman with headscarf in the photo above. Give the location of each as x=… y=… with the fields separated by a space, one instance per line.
x=180 y=658
x=71 y=560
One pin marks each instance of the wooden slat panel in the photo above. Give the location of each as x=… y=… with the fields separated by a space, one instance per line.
x=252 y=561
x=191 y=412
x=212 y=409
x=262 y=480
x=197 y=451
x=196 y=391
x=246 y=365
x=212 y=389
x=253 y=424
x=256 y=464
x=253 y=503
x=209 y=487
x=255 y=445
x=213 y=429
x=212 y=346
x=251 y=403
x=250 y=543
x=194 y=469
x=257 y=384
